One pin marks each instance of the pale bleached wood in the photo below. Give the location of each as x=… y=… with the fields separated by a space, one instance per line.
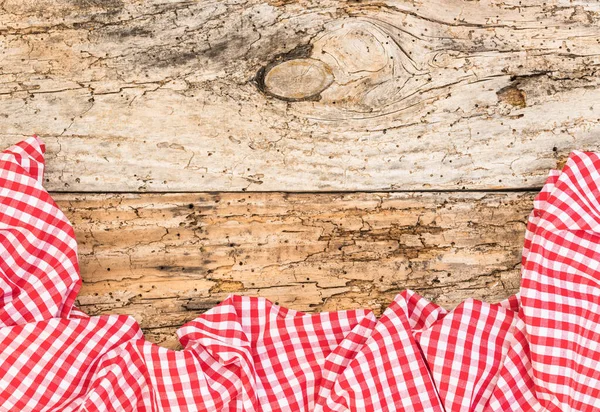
x=213 y=96
x=167 y=258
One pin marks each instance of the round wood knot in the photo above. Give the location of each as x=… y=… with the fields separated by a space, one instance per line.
x=298 y=79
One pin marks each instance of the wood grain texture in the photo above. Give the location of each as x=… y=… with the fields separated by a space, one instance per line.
x=300 y=95
x=370 y=98
x=166 y=258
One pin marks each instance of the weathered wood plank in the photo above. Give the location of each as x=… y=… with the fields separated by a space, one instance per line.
x=300 y=96
x=166 y=258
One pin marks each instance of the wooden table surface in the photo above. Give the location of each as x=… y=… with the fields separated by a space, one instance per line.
x=323 y=154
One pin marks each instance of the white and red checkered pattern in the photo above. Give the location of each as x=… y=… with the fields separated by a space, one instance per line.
x=539 y=350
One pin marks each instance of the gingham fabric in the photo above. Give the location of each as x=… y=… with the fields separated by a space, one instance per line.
x=538 y=350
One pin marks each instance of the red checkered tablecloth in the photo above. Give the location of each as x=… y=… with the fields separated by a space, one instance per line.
x=538 y=350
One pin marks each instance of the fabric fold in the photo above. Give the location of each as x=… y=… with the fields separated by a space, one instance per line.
x=39 y=271
x=560 y=289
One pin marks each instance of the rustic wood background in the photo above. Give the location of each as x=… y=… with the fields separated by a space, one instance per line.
x=322 y=154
